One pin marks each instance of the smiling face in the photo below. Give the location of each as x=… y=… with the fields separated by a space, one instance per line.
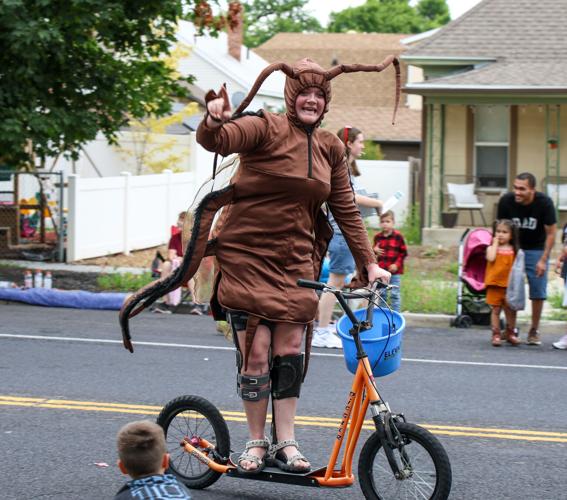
x=356 y=147
x=309 y=105
x=524 y=194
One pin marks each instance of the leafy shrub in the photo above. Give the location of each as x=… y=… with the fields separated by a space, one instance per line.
x=556 y=300
x=127 y=282
x=411 y=228
x=453 y=268
x=372 y=151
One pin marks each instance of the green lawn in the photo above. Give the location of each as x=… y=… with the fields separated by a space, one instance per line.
x=428 y=291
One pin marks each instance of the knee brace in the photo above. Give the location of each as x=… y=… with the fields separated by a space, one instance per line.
x=287 y=375
x=251 y=387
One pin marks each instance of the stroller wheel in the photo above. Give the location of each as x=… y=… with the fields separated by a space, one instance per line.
x=463 y=321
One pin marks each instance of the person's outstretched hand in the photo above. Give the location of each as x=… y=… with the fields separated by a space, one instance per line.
x=218 y=107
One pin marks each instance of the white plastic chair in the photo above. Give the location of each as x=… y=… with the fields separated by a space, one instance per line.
x=560 y=199
x=463 y=197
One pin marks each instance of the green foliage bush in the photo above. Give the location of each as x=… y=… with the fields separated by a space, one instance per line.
x=556 y=300
x=127 y=282
x=372 y=151
x=411 y=228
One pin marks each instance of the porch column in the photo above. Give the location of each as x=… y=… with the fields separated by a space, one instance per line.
x=552 y=147
x=435 y=163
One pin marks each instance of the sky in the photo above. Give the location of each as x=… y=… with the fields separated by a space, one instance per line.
x=322 y=8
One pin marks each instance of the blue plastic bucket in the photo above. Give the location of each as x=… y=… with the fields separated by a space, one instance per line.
x=384 y=354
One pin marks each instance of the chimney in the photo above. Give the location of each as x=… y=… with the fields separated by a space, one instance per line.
x=235 y=29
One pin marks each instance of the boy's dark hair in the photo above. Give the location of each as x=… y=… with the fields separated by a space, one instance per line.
x=141 y=447
x=564 y=234
x=526 y=176
x=390 y=214
x=515 y=241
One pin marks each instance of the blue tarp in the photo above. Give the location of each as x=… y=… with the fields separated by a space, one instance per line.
x=76 y=299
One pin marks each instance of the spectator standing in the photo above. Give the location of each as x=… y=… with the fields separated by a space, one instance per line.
x=534 y=214
x=391 y=249
x=500 y=257
x=341 y=261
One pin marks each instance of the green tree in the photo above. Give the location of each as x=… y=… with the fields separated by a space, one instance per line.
x=264 y=18
x=434 y=13
x=390 y=16
x=71 y=69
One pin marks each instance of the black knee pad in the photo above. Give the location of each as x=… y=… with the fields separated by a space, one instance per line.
x=287 y=375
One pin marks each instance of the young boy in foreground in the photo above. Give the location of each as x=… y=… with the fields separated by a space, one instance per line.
x=143 y=456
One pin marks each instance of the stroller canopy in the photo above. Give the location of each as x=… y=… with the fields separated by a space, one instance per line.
x=474 y=259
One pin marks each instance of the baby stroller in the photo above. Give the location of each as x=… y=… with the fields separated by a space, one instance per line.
x=471 y=291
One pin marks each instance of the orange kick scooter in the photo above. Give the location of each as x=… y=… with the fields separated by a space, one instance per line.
x=399 y=460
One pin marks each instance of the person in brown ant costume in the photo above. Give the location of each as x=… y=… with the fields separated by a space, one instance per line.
x=272 y=232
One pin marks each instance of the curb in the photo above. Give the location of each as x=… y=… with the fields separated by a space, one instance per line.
x=427 y=320
x=414 y=320
x=420 y=320
x=75 y=268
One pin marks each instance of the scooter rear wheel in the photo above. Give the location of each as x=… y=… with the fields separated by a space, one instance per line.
x=193 y=417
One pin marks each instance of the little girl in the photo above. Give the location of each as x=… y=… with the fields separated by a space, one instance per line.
x=500 y=258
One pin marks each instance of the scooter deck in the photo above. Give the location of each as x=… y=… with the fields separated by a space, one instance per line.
x=275 y=475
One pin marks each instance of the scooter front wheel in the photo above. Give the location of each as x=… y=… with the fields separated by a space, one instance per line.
x=193 y=418
x=422 y=460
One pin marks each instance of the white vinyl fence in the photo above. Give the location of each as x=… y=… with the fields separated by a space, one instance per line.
x=118 y=214
x=385 y=178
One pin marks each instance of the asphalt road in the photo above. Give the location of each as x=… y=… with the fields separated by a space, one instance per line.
x=67 y=385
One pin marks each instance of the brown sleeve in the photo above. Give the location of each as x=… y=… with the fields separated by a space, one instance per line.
x=235 y=136
x=344 y=210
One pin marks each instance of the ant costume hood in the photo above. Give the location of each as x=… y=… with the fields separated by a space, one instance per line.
x=272 y=230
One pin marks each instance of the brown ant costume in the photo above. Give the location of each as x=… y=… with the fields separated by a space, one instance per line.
x=273 y=229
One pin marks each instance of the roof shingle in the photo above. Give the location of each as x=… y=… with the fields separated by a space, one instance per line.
x=507 y=29
x=527 y=39
x=363 y=100
x=376 y=123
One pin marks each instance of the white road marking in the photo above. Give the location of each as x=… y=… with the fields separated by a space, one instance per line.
x=223 y=348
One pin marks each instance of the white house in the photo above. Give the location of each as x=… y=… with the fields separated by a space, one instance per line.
x=222 y=59
x=212 y=61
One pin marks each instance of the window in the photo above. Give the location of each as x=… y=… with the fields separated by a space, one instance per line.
x=492 y=132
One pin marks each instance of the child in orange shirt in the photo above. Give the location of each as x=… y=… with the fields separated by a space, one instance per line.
x=500 y=257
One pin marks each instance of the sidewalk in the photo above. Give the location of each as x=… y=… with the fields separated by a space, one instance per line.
x=62 y=266
x=419 y=320
x=415 y=320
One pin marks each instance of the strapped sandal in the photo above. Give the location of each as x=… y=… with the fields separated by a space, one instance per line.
x=276 y=457
x=259 y=461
